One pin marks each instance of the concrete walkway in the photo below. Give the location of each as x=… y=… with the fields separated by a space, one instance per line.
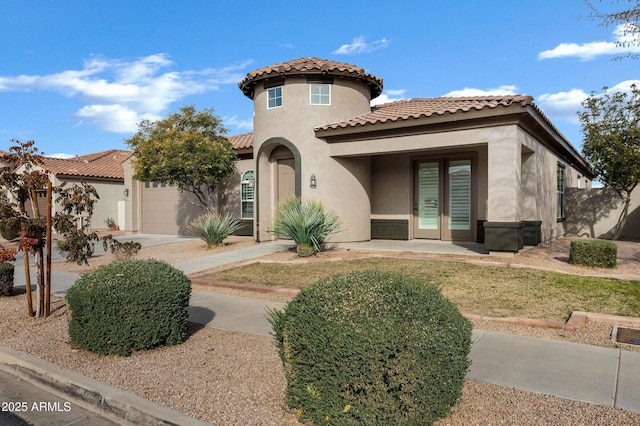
x=592 y=374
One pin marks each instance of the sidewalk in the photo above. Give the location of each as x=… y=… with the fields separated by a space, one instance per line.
x=592 y=374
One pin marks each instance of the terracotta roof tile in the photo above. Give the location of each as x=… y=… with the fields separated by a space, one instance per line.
x=105 y=164
x=242 y=141
x=310 y=66
x=427 y=107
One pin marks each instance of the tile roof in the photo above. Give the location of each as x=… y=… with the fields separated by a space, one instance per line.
x=427 y=107
x=242 y=141
x=310 y=66
x=105 y=164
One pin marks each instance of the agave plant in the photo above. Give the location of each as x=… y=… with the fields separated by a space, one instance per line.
x=213 y=228
x=306 y=222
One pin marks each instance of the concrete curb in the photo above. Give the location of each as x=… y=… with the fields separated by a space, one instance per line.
x=108 y=401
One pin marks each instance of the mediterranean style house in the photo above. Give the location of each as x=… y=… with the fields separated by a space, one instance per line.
x=490 y=169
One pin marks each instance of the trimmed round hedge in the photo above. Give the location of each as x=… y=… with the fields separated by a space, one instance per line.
x=372 y=348
x=129 y=306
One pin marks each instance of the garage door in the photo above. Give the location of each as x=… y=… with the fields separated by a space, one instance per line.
x=160 y=209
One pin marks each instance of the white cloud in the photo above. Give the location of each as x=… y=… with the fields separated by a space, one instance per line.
x=562 y=105
x=119 y=93
x=565 y=105
x=112 y=118
x=62 y=155
x=471 y=91
x=237 y=123
x=389 y=96
x=625 y=86
x=360 y=45
x=589 y=51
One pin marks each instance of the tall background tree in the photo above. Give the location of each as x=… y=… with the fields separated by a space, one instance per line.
x=611 y=126
x=627 y=17
x=187 y=149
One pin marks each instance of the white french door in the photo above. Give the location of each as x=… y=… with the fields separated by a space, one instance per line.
x=443 y=199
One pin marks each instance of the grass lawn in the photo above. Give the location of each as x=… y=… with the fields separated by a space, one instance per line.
x=494 y=291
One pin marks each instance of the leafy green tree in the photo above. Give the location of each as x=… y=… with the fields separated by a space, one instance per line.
x=187 y=149
x=611 y=126
x=628 y=19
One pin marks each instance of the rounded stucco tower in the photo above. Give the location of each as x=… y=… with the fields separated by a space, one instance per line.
x=291 y=100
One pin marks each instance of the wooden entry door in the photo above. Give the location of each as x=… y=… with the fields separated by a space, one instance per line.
x=286 y=179
x=443 y=199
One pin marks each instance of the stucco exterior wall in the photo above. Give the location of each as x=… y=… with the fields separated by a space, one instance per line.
x=229 y=192
x=111 y=193
x=538 y=191
x=594 y=213
x=342 y=184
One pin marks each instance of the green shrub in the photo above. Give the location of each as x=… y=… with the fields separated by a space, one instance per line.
x=213 y=228
x=10 y=225
x=6 y=279
x=126 y=250
x=372 y=348
x=596 y=253
x=77 y=246
x=306 y=222
x=128 y=306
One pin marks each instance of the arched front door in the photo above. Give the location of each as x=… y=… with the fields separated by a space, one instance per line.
x=286 y=177
x=285 y=168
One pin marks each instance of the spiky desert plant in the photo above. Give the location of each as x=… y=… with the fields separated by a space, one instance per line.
x=213 y=227
x=307 y=222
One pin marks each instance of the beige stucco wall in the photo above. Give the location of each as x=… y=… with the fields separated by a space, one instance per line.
x=229 y=191
x=594 y=213
x=342 y=184
x=538 y=194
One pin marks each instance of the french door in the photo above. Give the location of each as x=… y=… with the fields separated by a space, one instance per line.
x=443 y=199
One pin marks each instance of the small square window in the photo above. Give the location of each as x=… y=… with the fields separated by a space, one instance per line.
x=274 y=97
x=320 y=94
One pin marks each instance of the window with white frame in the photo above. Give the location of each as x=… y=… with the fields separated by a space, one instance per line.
x=320 y=93
x=274 y=97
x=560 y=190
x=247 y=191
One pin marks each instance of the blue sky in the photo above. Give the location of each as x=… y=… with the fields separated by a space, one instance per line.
x=77 y=76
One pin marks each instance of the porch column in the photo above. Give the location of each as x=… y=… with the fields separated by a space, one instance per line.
x=503 y=231
x=504 y=175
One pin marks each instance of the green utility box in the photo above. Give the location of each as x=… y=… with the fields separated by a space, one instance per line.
x=504 y=236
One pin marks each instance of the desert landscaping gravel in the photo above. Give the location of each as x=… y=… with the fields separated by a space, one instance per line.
x=232 y=378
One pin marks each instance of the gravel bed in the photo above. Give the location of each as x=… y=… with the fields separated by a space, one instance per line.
x=236 y=379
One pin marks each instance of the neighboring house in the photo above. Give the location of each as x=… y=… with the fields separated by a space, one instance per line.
x=104 y=171
x=158 y=208
x=492 y=169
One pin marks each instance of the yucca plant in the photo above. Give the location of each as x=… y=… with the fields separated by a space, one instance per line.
x=306 y=222
x=213 y=227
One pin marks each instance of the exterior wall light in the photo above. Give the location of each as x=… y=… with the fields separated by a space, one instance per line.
x=126 y=192
x=313 y=182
